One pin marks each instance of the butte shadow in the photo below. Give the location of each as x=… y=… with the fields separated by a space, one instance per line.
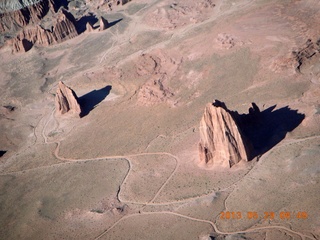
x=267 y=128
x=114 y=22
x=92 y=20
x=90 y=100
x=2 y=153
x=81 y=23
x=227 y=137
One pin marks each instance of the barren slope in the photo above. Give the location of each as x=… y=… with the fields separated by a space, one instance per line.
x=129 y=168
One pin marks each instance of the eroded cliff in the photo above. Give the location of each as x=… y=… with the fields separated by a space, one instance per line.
x=63 y=29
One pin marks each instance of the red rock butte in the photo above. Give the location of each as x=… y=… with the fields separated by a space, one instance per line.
x=221 y=140
x=66 y=100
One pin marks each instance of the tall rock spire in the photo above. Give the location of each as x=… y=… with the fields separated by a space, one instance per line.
x=66 y=100
x=221 y=140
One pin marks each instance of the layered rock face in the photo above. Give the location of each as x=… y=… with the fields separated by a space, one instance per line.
x=25 y=23
x=63 y=29
x=18 y=15
x=26 y=18
x=221 y=140
x=66 y=100
x=12 y=5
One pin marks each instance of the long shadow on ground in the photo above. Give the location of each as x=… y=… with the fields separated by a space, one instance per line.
x=82 y=22
x=2 y=153
x=111 y=24
x=92 y=20
x=263 y=130
x=90 y=100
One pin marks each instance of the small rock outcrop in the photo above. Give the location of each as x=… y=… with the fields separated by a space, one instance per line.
x=66 y=100
x=63 y=29
x=5 y=111
x=221 y=140
x=157 y=67
x=104 y=24
x=310 y=50
x=89 y=28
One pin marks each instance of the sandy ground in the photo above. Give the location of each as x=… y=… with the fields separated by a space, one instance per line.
x=129 y=168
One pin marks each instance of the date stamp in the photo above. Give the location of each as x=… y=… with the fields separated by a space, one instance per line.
x=265 y=215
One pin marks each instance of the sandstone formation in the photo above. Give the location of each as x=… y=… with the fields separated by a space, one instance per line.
x=310 y=50
x=66 y=100
x=155 y=68
x=89 y=28
x=63 y=29
x=13 y=17
x=26 y=23
x=12 y=5
x=221 y=140
x=104 y=24
x=154 y=92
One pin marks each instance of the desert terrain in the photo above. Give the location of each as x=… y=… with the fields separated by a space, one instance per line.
x=129 y=167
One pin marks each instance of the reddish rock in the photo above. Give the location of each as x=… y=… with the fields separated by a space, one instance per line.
x=155 y=90
x=104 y=24
x=13 y=20
x=311 y=50
x=89 y=28
x=221 y=140
x=66 y=100
x=63 y=29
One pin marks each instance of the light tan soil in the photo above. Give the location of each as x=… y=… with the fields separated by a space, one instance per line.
x=129 y=169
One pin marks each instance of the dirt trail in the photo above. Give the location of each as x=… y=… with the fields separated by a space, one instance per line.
x=51 y=117
x=117 y=42
x=255 y=229
x=151 y=202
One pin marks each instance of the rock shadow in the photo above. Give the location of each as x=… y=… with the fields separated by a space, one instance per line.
x=111 y=24
x=265 y=129
x=90 y=100
x=82 y=22
x=2 y=153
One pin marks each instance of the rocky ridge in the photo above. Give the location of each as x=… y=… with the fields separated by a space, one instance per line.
x=20 y=17
x=24 y=24
x=12 y=5
x=63 y=29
